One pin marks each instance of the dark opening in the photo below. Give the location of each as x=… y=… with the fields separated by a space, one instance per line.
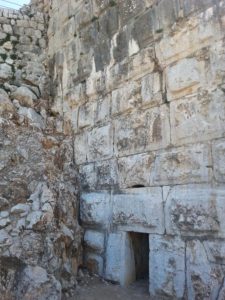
x=138 y=186
x=140 y=243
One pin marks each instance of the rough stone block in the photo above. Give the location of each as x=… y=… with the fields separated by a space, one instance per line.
x=120 y=266
x=218 y=150
x=195 y=210
x=198 y=118
x=103 y=109
x=100 y=143
x=139 y=210
x=87 y=176
x=125 y=98
x=94 y=240
x=151 y=89
x=183 y=78
x=135 y=170
x=204 y=279
x=167 y=267
x=80 y=148
x=86 y=115
x=94 y=263
x=95 y=208
x=138 y=132
x=190 y=164
x=106 y=173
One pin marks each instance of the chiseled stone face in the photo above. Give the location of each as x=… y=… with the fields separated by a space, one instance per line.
x=133 y=210
x=219 y=160
x=195 y=210
x=167 y=267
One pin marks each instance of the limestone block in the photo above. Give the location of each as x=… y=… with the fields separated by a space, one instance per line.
x=120 y=264
x=100 y=143
x=218 y=148
x=151 y=89
x=139 y=210
x=95 y=208
x=183 y=78
x=135 y=170
x=106 y=173
x=216 y=74
x=103 y=109
x=215 y=250
x=94 y=240
x=198 y=118
x=87 y=176
x=198 y=32
x=203 y=278
x=195 y=210
x=80 y=148
x=189 y=164
x=86 y=115
x=35 y=119
x=125 y=98
x=94 y=263
x=141 y=131
x=166 y=267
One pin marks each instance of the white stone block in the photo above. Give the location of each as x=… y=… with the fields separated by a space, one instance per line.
x=151 y=89
x=95 y=208
x=100 y=142
x=166 y=267
x=198 y=118
x=120 y=263
x=139 y=210
x=81 y=148
x=218 y=149
x=189 y=164
x=195 y=210
x=94 y=240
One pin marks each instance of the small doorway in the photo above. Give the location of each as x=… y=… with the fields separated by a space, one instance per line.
x=140 y=245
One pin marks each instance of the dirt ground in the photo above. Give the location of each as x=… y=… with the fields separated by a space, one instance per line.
x=95 y=288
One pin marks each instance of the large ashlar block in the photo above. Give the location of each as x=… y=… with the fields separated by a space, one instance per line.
x=139 y=210
x=86 y=115
x=184 y=78
x=190 y=164
x=106 y=173
x=167 y=267
x=198 y=118
x=94 y=240
x=120 y=261
x=87 y=176
x=80 y=148
x=195 y=210
x=125 y=98
x=218 y=148
x=103 y=109
x=141 y=131
x=95 y=208
x=151 y=89
x=135 y=170
x=204 y=279
x=100 y=142
x=198 y=32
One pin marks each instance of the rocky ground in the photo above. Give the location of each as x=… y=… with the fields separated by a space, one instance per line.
x=92 y=287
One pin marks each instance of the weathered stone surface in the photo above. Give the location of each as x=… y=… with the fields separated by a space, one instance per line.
x=94 y=263
x=195 y=210
x=198 y=119
x=148 y=130
x=218 y=159
x=190 y=164
x=94 y=240
x=167 y=267
x=132 y=210
x=120 y=266
x=5 y=72
x=204 y=279
x=135 y=170
x=96 y=208
x=151 y=89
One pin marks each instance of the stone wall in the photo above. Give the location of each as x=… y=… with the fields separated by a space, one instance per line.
x=140 y=85
x=40 y=239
